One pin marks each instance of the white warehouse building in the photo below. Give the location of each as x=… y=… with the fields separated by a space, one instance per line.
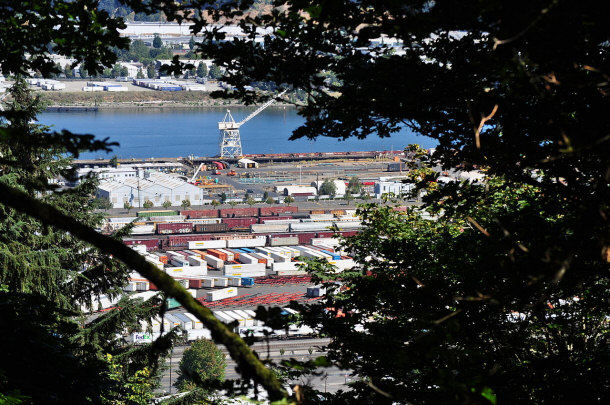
x=395 y=187
x=154 y=187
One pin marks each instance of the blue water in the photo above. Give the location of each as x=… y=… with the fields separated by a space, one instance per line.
x=158 y=132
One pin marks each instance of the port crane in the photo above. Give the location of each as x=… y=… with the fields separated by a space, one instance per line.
x=229 y=141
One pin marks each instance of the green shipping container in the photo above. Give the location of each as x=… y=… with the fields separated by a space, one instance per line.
x=172 y=303
x=162 y=213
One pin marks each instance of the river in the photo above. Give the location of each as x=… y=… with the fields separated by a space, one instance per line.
x=173 y=132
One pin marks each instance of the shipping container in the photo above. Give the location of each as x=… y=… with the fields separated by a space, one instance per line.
x=271 y=211
x=284 y=241
x=239 y=223
x=221 y=281
x=317 y=212
x=316 y=291
x=207 y=228
x=217 y=253
x=157 y=213
x=208 y=244
x=183 y=240
x=214 y=261
x=172 y=303
x=173 y=321
x=245 y=258
x=238 y=212
x=201 y=282
x=305 y=237
x=197 y=324
x=245 y=270
x=234 y=281
x=162 y=257
x=212 y=213
x=258 y=241
x=200 y=253
x=174 y=228
x=271 y=220
x=310 y=226
x=221 y=294
x=151 y=244
x=247 y=281
x=186 y=322
x=269 y=228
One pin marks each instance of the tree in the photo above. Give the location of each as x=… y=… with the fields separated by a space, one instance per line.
x=328 y=187
x=202 y=70
x=151 y=73
x=185 y=203
x=265 y=195
x=288 y=200
x=57 y=28
x=68 y=71
x=202 y=362
x=232 y=203
x=354 y=186
x=166 y=204
x=101 y=203
x=505 y=99
x=215 y=203
x=127 y=205
x=270 y=200
x=250 y=201
x=348 y=196
x=49 y=278
x=157 y=42
x=148 y=204
x=215 y=72
x=192 y=43
x=140 y=74
x=223 y=197
x=114 y=161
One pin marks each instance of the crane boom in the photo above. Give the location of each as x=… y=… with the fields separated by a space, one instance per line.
x=259 y=109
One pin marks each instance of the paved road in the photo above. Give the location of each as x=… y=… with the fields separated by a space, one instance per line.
x=331 y=380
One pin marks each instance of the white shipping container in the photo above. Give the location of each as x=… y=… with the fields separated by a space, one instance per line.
x=284 y=241
x=179 y=262
x=156 y=325
x=234 y=281
x=287 y=266
x=332 y=242
x=221 y=282
x=223 y=317
x=217 y=295
x=131 y=286
x=247 y=259
x=196 y=261
x=208 y=244
x=116 y=89
x=173 y=321
x=310 y=226
x=214 y=262
x=254 y=242
x=277 y=257
x=244 y=270
x=248 y=319
x=197 y=324
x=267 y=228
x=187 y=323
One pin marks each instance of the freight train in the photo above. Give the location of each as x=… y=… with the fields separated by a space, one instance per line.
x=168 y=242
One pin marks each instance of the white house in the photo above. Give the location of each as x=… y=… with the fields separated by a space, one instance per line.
x=340 y=187
x=395 y=187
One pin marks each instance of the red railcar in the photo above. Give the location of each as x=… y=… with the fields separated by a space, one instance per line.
x=183 y=240
x=151 y=244
x=272 y=211
x=234 y=223
x=238 y=212
x=206 y=228
x=174 y=228
x=212 y=213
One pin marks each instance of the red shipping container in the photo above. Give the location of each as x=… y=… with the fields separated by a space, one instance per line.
x=183 y=240
x=151 y=244
x=271 y=211
x=305 y=238
x=326 y=234
x=239 y=222
x=174 y=227
x=213 y=213
x=195 y=283
x=238 y=212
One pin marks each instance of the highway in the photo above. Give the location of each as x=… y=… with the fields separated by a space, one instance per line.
x=276 y=350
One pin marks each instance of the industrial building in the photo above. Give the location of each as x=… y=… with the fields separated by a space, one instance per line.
x=152 y=186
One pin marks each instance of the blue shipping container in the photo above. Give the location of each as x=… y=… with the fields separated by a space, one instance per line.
x=247 y=281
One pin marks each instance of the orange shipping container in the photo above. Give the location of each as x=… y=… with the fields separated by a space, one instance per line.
x=201 y=253
x=218 y=254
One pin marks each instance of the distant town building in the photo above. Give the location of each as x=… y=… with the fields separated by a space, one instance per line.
x=152 y=186
x=395 y=187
